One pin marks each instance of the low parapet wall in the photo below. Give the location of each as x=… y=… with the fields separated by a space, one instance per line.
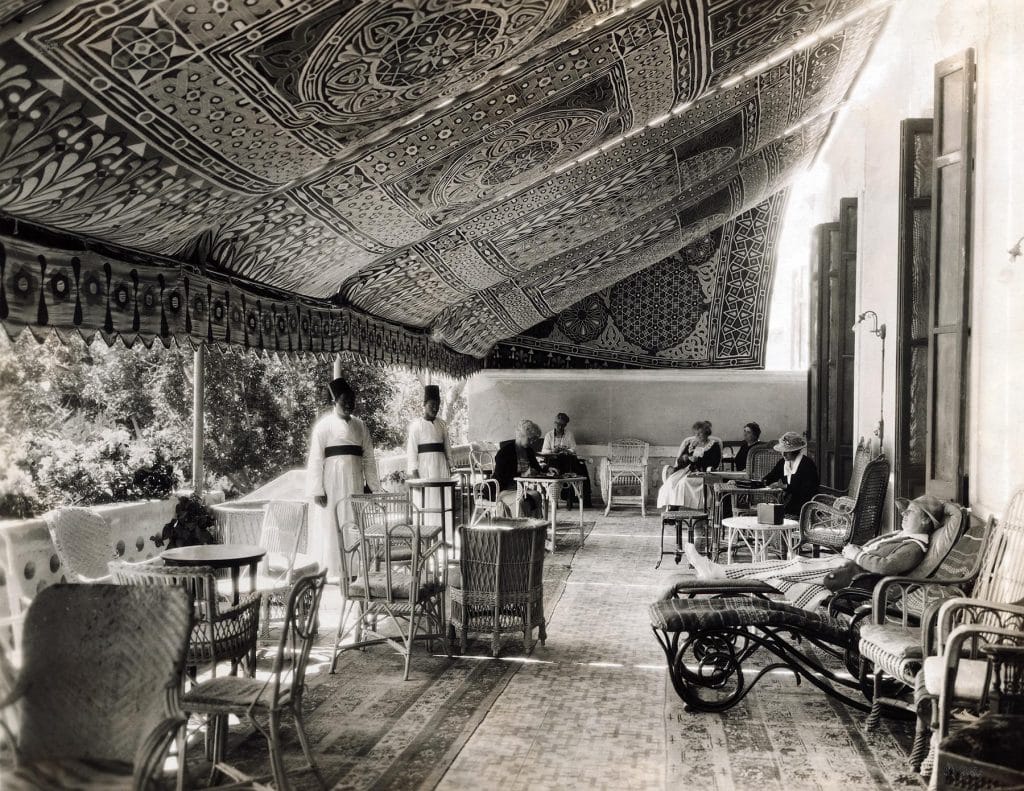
x=30 y=562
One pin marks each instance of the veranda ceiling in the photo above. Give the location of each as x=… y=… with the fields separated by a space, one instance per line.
x=417 y=178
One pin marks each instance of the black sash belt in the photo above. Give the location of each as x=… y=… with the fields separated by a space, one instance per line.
x=343 y=450
x=430 y=447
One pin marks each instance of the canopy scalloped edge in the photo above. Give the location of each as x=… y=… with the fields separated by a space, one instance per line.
x=47 y=287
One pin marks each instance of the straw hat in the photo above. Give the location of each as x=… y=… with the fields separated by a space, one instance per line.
x=791 y=441
x=930 y=505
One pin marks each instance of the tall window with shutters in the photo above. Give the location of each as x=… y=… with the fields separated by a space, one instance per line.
x=949 y=319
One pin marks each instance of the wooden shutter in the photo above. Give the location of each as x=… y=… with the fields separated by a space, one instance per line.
x=830 y=382
x=912 y=332
x=949 y=275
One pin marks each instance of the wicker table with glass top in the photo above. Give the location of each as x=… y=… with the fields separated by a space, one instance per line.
x=551 y=486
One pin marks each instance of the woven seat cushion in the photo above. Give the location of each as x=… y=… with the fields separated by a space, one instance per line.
x=893 y=649
x=400 y=584
x=689 y=615
x=971 y=677
x=227 y=692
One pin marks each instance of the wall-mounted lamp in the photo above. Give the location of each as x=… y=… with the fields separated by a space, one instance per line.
x=1015 y=251
x=879 y=330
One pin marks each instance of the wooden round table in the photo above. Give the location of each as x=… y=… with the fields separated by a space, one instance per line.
x=219 y=556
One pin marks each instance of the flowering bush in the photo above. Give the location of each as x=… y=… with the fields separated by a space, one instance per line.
x=193 y=523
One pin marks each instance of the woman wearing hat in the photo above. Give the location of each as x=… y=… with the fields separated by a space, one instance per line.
x=340 y=464
x=795 y=472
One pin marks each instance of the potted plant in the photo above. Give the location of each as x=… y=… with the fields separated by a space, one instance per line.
x=394 y=482
x=193 y=523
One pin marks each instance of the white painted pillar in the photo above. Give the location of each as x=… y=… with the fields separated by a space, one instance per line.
x=198 y=409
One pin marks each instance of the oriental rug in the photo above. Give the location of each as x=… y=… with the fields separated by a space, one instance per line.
x=593 y=708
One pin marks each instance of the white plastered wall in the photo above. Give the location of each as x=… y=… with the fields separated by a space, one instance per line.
x=862 y=160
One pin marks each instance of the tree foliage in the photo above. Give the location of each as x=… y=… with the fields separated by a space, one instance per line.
x=87 y=423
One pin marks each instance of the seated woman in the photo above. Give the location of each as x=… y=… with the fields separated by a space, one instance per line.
x=697 y=454
x=806 y=582
x=795 y=472
x=517 y=458
x=751 y=437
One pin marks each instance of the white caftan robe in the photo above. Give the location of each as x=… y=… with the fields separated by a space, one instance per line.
x=685 y=487
x=429 y=464
x=338 y=477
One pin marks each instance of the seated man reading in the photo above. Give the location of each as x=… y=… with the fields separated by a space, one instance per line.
x=807 y=582
x=559 y=451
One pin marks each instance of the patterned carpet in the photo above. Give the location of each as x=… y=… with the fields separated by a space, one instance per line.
x=591 y=709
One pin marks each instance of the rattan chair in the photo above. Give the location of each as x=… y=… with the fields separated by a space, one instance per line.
x=389 y=571
x=484 y=488
x=280 y=693
x=626 y=465
x=97 y=693
x=219 y=635
x=282 y=533
x=847 y=520
x=954 y=674
x=499 y=587
x=83 y=542
x=861 y=456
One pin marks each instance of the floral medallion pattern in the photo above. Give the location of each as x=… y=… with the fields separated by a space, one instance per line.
x=453 y=171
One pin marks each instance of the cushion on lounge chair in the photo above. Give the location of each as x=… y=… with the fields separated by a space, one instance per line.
x=399 y=587
x=892 y=647
x=690 y=615
x=971 y=677
x=692 y=585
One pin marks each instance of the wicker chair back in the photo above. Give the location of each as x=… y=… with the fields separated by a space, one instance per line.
x=219 y=634
x=861 y=458
x=867 y=514
x=83 y=542
x=1001 y=574
x=297 y=637
x=283 y=535
x=761 y=461
x=626 y=452
x=101 y=672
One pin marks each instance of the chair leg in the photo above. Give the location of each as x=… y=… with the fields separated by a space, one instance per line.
x=276 y=758
x=300 y=729
x=876 y=703
x=181 y=738
x=408 y=644
x=541 y=632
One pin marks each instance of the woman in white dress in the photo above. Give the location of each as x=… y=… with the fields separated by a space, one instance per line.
x=697 y=454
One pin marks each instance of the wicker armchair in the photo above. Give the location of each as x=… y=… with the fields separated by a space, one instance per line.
x=282 y=533
x=394 y=571
x=281 y=693
x=98 y=690
x=861 y=457
x=499 y=587
x=626 y=465
x=847 y=520
x=219 y=635
x=83 y=542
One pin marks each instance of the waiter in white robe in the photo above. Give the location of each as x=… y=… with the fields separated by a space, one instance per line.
x=427 y=452
x=341 y=463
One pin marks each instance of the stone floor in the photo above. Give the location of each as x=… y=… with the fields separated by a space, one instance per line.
x=591 y=709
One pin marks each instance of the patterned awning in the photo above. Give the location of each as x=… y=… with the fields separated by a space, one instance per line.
x=410 y=177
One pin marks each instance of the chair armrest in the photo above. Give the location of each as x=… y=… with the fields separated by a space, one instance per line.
x=831 y=493
x=149 y=755
x=844 y=505
x=964 y=610
x=251 y=601
x=887 y=586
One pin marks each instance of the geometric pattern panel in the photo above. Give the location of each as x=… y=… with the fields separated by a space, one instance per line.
x=702 y=307
x=465 y=169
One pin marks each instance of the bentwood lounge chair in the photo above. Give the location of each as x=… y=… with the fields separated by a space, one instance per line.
x=264 y=699
x=89 y=713
x=626 y=465
x=222 y=632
